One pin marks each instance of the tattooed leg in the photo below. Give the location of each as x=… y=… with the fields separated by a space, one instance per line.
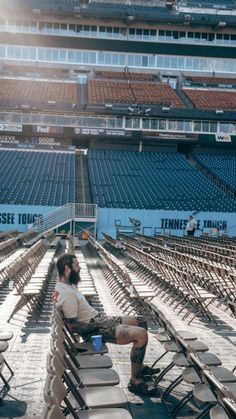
x=138 y=336
x=136 y=357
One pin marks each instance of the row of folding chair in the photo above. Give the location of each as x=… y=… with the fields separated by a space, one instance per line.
x=5 y=337
x=86 y=285
x=7 y=266
x=34 y=292
x=173 y=283
x=7 y=247
x=212 y=277
x=195 y=361
x=124 y=283
x=81 y=384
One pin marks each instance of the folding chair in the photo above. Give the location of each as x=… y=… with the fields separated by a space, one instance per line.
x=78 y=360
x=86 y=377
x=54 y=412
x=82 y=398
x=72 y=339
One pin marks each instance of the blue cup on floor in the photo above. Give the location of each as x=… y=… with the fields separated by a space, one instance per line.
x=97 y=343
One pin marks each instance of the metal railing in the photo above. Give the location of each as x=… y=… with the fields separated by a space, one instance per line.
x=61 y=215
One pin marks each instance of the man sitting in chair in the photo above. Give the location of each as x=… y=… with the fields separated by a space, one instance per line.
x=86 y=321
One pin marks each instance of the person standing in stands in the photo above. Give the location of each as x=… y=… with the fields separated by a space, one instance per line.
x=86 y=321
x=191 y=226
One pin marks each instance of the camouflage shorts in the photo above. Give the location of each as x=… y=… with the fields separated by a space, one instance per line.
x=105 y=326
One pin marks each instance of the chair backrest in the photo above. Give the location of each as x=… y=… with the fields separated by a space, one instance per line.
x=55 y=365
x=54 y=390
x=52 y=412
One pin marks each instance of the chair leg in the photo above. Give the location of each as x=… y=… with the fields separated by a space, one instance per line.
x=158 y=359
x=163 y=373
x=182 y=403
x=169 y=389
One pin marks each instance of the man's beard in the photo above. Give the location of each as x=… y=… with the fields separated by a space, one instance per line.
x=74 y=277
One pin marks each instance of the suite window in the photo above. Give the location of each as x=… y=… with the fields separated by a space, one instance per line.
x=79 y=28
x=56 y=27
x=211 y=37
x=197 y=126
x=144 y=61
x=128 y=122
x=205 y=126
x=190 y=35
x=2 y=51
x=154 y=124
x=139 y=32
x=213 y=127
x=224 y=128
x=63 y=26
x=71 y=27
x=145 y=124
x=162 y=124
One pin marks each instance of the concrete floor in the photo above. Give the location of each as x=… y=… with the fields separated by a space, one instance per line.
x=28 y=350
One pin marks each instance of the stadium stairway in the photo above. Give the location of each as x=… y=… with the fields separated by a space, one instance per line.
x=82 y=188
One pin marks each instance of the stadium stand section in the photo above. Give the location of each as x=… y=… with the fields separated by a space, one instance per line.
x=37 y=178
x=222 y=166
x=151 y=180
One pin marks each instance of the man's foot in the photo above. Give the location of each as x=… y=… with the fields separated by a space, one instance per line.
x=147 y=371
x=142 y=389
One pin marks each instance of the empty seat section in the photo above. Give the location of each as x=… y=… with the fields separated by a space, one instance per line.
x=222 y=166
x=38 y=90
x=37 y=178
x=151 y=180
x=119 y=91
x=212 y=99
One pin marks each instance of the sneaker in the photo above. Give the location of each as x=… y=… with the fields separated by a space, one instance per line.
x=147 y=371
x=142 y=389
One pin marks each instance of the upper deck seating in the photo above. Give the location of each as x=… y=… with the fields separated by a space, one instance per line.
x=210 y=80
x=222 y=166
x=151 y=180
x=118 y=75
x=38 y=90
x=212 y=99
x=37 y=178
x=101 y=91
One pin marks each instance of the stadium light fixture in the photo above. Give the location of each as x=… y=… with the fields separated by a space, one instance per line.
x=219 y=111
x=108 y=105
x=187 y=19
x=165 y=108
x=220 y=25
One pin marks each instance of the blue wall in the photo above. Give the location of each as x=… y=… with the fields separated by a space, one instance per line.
x=152 y=221
x=18 y=217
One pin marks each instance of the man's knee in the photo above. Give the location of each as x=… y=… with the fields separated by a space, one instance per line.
x=142 y=336
x=142 y=322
